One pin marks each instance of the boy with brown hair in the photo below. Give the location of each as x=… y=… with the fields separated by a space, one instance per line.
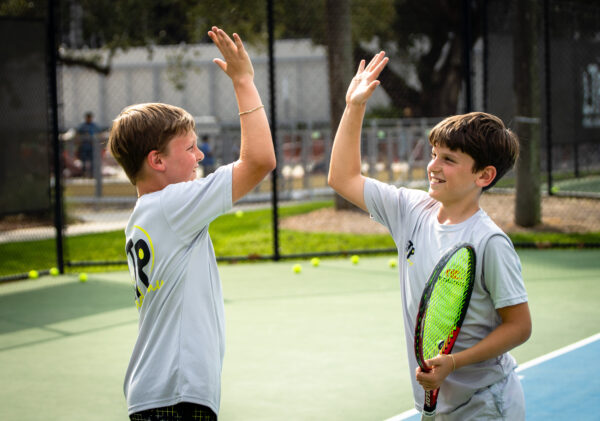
x=175 y=368
x=469 y=154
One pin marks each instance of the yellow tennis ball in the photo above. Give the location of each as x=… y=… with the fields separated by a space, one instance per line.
x=354 y=259
x=315 y=261
x=83 y=277
x=54 y=271
x=392 y=263
x=297 y=268
x=239 y=213
x=33 y=274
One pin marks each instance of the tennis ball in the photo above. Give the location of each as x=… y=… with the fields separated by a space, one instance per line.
x=83 y=277
x=239 y=213
x=392 y=263
x=315 y=261
x=54 y=271
x=33 y=274
x=354 y=259
x=297 y=268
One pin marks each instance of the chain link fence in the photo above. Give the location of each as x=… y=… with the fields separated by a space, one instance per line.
x=395 y=149
x=565 y=95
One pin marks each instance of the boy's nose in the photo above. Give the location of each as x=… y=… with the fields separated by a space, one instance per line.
x=433 y=165
x=199 y=155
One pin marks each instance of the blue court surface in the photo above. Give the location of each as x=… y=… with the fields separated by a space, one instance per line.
x=562 y=385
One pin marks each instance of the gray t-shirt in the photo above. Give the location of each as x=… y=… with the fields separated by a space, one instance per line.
x=179 y=351
x=411 y=218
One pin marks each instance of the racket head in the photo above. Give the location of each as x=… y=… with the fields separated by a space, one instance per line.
x=442 y=309
x=444 y=303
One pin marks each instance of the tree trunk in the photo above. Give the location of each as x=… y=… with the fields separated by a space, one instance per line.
x=339 y=60
x=527 y=84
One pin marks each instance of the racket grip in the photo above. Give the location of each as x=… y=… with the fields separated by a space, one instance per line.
x=427 y=416
x=429 y=405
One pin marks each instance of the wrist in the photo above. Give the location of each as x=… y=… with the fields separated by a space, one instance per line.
x=243 y=81
x=358 y=106
x=358 y=110
x=453 y=362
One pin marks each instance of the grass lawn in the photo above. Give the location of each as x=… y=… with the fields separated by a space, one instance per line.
x=249 y=235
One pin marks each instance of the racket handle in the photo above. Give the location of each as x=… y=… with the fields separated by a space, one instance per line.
x=429 y=405
x=427 y=417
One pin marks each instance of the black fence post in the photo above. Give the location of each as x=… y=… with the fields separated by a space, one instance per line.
x=272 y=94
x=485 y=54
x=466 y=6
x=547 y=87
x=53 y=111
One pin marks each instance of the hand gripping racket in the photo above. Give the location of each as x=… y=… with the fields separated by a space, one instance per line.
x=442 y=310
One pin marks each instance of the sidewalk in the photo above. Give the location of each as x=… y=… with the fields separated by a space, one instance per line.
x=92 y=221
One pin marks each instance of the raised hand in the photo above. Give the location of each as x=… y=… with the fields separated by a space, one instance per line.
x=237 y=63
x=365 y=81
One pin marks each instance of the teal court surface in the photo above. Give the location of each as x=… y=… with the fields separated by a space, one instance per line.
x=323 y=344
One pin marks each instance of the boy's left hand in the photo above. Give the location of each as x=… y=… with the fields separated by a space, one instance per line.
x=237 y=63
x=441 y=367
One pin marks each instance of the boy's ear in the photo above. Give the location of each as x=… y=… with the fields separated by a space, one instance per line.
x=154 y=160
x=486 y=176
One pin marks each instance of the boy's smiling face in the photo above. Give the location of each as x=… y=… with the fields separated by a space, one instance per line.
x=181 y=158
x=451 y=176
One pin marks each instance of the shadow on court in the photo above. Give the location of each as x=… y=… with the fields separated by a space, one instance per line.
x=59 y=303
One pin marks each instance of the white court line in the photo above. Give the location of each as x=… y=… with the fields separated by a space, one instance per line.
x=404 y=415
x=558 y=352
x=412 y=412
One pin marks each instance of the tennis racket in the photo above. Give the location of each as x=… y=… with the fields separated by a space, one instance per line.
x=442 y=310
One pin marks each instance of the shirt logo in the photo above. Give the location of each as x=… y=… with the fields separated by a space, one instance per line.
x=410 y=250
x=140 y=259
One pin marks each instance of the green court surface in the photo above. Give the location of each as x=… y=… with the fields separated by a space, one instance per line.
x=325 y=344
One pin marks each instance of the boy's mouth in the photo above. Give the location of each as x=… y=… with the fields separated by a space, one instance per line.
x=435 y=180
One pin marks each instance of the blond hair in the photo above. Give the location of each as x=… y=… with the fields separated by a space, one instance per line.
x=142 y=128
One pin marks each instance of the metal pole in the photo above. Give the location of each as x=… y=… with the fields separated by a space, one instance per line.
x=53 y=108
x=548 y=87
x=467 y=55
x=272 y=93
x=486 y=31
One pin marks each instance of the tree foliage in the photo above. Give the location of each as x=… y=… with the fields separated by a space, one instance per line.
x=423 y=38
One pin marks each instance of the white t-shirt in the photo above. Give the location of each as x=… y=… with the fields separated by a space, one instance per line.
x=179 y=351
x=411 y=218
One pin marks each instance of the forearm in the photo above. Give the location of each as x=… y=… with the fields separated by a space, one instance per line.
x=345 y=164
x=508 y=335
x=257 y=155
x=344 y=167
x=256 y=145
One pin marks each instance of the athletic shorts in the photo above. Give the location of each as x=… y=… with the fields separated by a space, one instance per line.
x=183 y=411
x=503 y=400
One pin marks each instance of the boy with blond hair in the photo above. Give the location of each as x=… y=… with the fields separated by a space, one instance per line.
x=175 y=369
x=469 y=155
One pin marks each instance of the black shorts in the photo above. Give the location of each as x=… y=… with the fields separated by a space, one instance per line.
x=183 y=411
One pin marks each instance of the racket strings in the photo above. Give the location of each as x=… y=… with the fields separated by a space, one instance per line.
x=449 y=297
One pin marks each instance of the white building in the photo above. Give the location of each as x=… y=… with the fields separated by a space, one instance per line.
x=186 y=76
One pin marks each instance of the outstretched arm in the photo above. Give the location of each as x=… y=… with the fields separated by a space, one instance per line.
x=344 y=168
x=257 y=156
x=512 y=332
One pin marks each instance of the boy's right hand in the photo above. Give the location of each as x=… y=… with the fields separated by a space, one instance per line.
x=237 y=63
x=365 y=81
